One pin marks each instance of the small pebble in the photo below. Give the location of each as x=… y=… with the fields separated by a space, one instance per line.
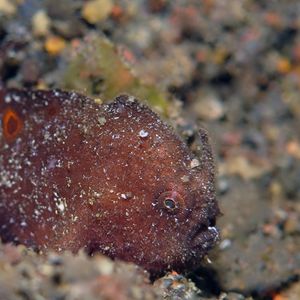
x=143 y=133
x=283 y=65
x=7 y=7
x=96 y=10
x=195 y=163
x=101 y=120
x=185 y=178
x=55 y=45
x=293 y=148
x=98 y=101
x=225 y=244
x=40 y=23
x=209 y=107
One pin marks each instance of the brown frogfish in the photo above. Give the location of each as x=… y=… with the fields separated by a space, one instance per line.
x=111 y=178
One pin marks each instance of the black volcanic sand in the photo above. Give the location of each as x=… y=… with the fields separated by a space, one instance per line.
x=233 y=68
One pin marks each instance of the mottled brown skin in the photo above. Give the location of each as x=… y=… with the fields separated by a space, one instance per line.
x=111 y=178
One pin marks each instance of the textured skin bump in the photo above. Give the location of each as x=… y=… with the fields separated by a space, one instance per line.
x=112 y=178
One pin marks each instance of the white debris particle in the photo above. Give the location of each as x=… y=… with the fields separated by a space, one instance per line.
x=97 y=194
x=195 y=163
x=23 y=224
x=61 y=206
x=101 y=120
x=143 y=133
x=126 y=196
x=215 y=230
x=16 y=98
x=98 y=101
x=208 y=260
x=211 y=228
x=7 y=99
x=59 y=164
x=185 y=178
x=74 y=218
x=60 y=203
x=225 y=244
x=37 y=212
x=130 y=99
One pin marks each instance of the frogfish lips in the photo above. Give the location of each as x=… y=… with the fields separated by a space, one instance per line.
x=204 y=237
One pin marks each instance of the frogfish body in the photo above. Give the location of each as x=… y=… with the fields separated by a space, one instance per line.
x=110 y=178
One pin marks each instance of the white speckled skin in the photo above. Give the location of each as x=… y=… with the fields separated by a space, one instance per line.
x=74 y=174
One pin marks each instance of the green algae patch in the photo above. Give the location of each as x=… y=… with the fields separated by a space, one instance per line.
x=95 y=68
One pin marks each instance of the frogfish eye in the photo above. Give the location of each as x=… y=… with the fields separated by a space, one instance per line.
x=170 y=202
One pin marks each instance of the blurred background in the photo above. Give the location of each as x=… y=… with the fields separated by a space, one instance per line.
x=232 y=67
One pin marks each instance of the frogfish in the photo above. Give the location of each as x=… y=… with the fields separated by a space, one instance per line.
x=109 y=178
